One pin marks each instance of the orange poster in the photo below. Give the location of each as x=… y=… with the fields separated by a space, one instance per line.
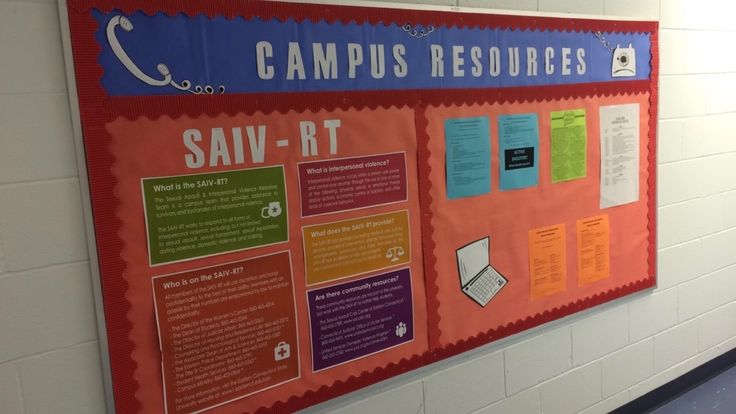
x=547 y=264
x=351 y=247
x=593 y=236
x=226 y=331
x=146 y=148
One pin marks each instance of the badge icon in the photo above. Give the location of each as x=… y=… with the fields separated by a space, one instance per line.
x=272 y=210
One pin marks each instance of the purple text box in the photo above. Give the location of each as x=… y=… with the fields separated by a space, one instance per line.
x=359 y=318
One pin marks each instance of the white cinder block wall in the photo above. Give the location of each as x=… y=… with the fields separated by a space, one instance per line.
x=594 y=362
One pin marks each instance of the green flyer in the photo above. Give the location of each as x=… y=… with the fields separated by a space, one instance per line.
x=192 y=216
x=569 y=145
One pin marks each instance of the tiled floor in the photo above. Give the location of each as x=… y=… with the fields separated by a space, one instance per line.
x=717 y=395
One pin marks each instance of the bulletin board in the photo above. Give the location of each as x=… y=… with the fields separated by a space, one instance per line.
x=294 y=201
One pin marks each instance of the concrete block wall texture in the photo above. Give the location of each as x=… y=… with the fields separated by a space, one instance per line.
x=590 y=363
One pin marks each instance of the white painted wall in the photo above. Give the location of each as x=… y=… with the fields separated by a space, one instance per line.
x=49 y=359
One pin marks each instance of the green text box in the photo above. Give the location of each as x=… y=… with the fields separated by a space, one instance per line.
x=569 y=145
x=204 y=214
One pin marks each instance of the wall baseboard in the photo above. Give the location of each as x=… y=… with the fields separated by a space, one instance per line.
x=673 y=389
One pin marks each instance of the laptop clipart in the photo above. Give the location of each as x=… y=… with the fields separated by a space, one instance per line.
x=479 y=281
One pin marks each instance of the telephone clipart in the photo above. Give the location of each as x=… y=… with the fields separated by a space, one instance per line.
x=163 y=70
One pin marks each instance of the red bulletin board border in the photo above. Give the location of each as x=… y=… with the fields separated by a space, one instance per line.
x=96 y=108
x=346 y=14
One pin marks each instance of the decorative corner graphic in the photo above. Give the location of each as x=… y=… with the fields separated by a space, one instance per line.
x=163 y=70
x=417 y=31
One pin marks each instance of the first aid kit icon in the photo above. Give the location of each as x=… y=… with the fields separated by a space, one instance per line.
x=281 y=351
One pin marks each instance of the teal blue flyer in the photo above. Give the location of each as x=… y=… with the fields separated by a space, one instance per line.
x=468 y=156
x=518 y=137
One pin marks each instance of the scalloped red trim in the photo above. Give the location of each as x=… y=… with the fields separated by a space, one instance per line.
x=231 y=104
x=109 y=245
x=97 y=108
x=425 y=207
x=653 y=122
x=346 y=14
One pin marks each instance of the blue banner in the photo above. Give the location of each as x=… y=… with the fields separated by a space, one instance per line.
x=163 y=55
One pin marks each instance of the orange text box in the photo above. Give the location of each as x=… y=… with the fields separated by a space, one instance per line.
x=594 y=237
x=547 y=261
x=351 y=247
x=226 y=331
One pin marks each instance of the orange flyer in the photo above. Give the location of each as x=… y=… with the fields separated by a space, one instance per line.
x=547 y=264
x=226 y=331
x=594 y=237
